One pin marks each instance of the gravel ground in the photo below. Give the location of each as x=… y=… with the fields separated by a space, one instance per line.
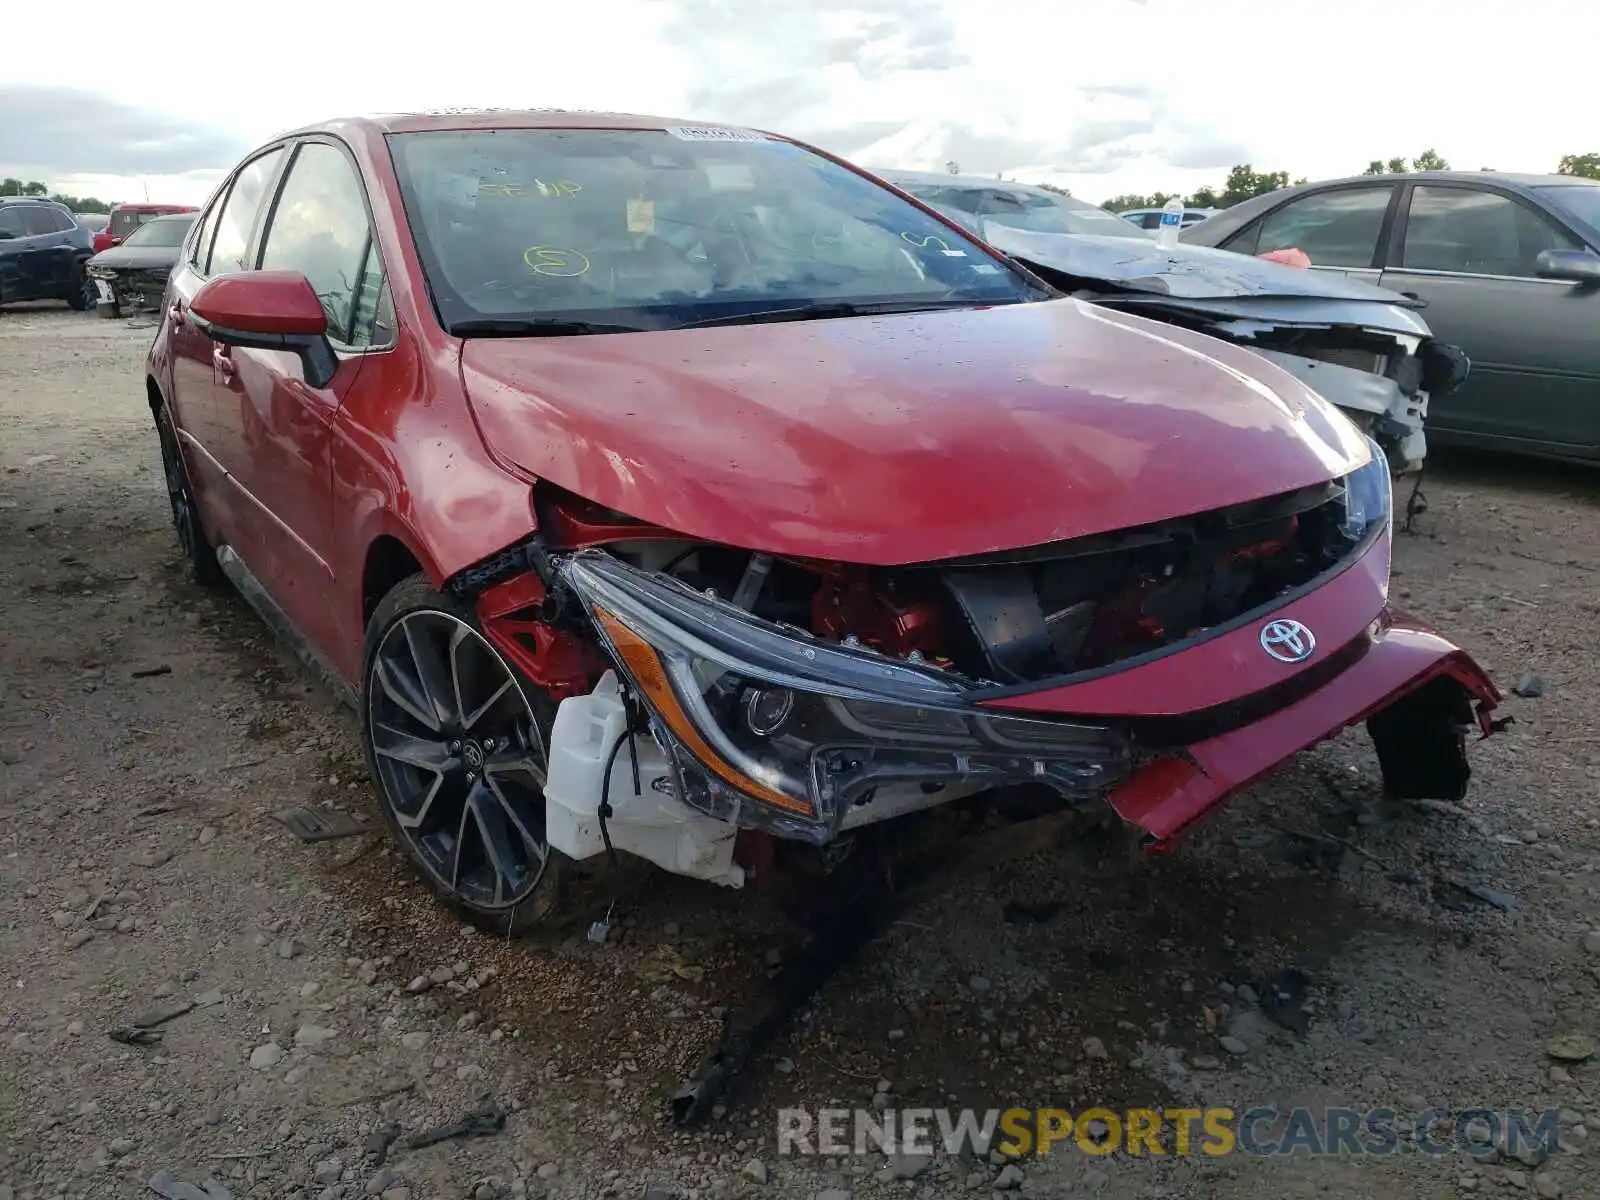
x=148 y=729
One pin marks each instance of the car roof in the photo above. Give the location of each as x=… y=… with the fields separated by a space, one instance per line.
x=499 y=118
x=163 y=209
x=1513 y=179
x=34 y=200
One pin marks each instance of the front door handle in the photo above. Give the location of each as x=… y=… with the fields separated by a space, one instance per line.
x=223 y=362
x=175 y=313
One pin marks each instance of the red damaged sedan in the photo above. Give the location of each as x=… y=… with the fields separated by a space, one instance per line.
x=684 y=491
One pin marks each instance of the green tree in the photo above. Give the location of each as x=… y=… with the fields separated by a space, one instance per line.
x=16 y=187
x=81 y=204
x=1428 y=160
x=1244 y=181
x=1205 y=197
x=1133 y=200
x=1587 y=165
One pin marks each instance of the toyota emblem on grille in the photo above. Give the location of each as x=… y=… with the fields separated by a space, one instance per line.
x=1288 y=641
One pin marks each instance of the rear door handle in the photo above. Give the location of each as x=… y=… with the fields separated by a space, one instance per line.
x=175 y=312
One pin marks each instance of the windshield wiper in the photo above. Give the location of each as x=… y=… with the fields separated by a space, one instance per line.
x=534 y=327
x=821 y=310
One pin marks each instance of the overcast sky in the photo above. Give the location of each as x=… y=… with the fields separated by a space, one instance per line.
x=1103 y=96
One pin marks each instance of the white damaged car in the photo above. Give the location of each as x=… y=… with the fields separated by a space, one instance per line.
x=1363 y=348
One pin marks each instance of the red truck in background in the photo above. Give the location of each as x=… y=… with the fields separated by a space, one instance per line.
x=125 y=218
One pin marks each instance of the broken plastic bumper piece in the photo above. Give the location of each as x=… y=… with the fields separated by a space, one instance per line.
x=1418 y=694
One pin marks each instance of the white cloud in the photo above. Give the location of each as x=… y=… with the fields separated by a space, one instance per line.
x=1104 y=97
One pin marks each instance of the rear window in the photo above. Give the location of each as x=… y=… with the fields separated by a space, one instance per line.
x=167 y=231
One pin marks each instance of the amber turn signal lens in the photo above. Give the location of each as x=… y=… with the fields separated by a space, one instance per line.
x=651 y=675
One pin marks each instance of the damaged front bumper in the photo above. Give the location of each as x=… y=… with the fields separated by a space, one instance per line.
x=724 y=722
x=1418 y=694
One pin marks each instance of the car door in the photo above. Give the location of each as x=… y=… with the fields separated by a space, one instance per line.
x=47 y=229
x=275 y=446
x=1471 y=253
x=207 y=420
x=18 y=256
x=1340 y=229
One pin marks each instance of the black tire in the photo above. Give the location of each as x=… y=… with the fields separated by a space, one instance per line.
x=82 y=298
x=198 y=553
x=479 y=773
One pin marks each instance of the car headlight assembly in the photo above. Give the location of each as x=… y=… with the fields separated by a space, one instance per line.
x=771 y=728
x=1368 y=497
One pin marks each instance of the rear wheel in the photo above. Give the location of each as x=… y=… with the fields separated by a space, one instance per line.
x=82 y=297
x=197 y=550
x=456 y=743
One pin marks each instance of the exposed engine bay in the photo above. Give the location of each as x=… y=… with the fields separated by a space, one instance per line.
x=706 y=690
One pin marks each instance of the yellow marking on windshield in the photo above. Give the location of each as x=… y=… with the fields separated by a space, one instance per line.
x=556 y=190
x=557 y=261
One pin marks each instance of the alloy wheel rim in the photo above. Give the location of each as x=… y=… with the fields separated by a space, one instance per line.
x=460 y=758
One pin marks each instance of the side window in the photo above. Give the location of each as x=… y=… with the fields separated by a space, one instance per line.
x=238 y=215
x=1477 y=233
x=38 y=219
x=374 y=319
x=319 y=228
x=1336 y=229
x=11 y=219
x=207 y=227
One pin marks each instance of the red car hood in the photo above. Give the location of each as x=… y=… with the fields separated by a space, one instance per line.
x=906 y=438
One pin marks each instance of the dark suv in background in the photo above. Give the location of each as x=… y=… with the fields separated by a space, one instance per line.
x=43 y=250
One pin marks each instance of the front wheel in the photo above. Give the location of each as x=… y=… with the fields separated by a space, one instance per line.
x=197 y=550
x=456 y=744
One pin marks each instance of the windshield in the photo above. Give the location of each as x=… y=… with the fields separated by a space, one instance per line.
x=1581 y=200
x=167 y=231
x=651 y=229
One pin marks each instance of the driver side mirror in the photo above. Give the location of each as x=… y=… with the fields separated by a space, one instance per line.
x=268 y=310
x=1579 y=266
